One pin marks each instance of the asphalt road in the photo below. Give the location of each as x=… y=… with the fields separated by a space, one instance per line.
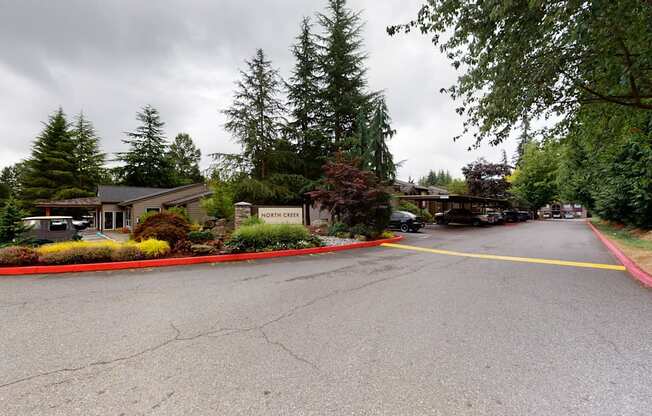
x=365 y=332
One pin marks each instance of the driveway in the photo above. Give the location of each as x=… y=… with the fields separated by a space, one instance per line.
x=375 y=331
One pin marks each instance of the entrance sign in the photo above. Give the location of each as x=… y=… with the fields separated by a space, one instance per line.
x=281 y=215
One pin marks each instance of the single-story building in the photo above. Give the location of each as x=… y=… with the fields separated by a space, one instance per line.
x=117 y=207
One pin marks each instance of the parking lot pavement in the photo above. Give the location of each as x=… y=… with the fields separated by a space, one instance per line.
x=374 y=331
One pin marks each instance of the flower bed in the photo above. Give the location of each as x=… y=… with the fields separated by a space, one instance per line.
x=81 y=252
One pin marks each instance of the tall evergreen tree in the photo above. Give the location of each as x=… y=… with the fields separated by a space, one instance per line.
x=51 y=166
x=380 y=159
x=10 y=181
x=11 y=225
x=256 y=115
x=89 y=160
x=146 y=162
x=523 y=140
x=185 y=157
x=305 y=105
x=342 y=65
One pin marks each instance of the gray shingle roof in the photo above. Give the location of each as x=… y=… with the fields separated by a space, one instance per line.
x=115 y=194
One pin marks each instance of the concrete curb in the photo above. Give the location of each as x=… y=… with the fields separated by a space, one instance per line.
x=183 y=261
x=639 y=274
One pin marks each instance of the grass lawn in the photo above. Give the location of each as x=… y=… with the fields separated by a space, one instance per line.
x=636 y=244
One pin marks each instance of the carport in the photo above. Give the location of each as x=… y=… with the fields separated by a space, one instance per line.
x=441 y=203
x=90 y=204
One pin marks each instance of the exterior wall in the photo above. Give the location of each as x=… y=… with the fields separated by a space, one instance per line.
x=139 y=207
x=196 y=212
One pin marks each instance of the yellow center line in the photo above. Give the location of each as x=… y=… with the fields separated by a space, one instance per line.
x=508 y=258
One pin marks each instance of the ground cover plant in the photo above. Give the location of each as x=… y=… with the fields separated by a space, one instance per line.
x=269 y=237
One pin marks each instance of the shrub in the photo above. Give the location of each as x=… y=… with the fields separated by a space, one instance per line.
x=200 y=236
x=387 y=234
x=17 y=256
x=264 y=237
x=180 y=211
x=361 y=230
x=54 y=248
x=427 y=216
x=127 y=252
x=78 y=255
x=338 y=228
x=164 y=226
x=409 y=207
x=153 y=248
x=253 y=220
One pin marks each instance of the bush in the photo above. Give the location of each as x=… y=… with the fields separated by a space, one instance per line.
x=127 y=252
x=200 y=236
x=267 y=237
x=17 y=256
x=55 y=248
x=164 y=226
x=409 y=207
x=253 y=220
x=180 y=211
x=360 y=230
x=386 y=234
x=427 y=216
x=153 y=248
x=78 y=255
x=338 y=228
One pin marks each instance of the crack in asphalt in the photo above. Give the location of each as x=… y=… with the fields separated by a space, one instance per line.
x=289 y=351
x=212 y=333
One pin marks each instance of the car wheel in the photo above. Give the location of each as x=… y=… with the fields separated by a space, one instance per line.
x=405 y=228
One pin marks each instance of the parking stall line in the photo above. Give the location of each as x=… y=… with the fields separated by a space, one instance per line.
x=508 y=258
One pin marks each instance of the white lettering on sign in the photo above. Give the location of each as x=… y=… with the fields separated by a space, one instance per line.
x=281 y=215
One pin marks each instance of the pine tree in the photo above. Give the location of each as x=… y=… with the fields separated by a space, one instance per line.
x=89 y=160
x=185 y=157
x=523 y=141
x=11 y=225
x=380 y=159
x=255 y=117
x=51 y=166
x=342 y=67
x=10 y=181
x=146 y=162
x=304 y=100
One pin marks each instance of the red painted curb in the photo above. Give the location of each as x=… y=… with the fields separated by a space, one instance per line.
x=639 y=274
x=182 y=261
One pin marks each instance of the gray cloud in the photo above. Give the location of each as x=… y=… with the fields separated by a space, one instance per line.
x=109 y=58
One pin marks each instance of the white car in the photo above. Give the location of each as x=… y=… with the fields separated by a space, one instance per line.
x=569 y=215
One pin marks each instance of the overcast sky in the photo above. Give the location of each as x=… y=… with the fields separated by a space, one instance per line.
x=111 y=57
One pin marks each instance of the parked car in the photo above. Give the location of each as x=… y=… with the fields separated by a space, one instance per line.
x=546 y=215
x=80 y=224
x=556 y=214
x=405 y=221
x=511 y=215
x=523 y=216
x=569 y=215
x=461 y=216
x=49 y=229
x=495 y=217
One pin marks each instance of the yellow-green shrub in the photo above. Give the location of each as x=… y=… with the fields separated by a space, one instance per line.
x=153 y=248
x=69 y=245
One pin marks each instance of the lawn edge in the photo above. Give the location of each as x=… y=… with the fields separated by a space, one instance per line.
x=636 y=272
x=184 y=261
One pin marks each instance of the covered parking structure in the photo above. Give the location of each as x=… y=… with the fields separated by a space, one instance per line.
x=441 y=203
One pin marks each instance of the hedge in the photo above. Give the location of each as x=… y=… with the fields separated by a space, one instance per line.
x=269 y=237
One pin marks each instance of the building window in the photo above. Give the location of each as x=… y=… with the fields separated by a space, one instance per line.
x=152 y=209
x=58 y=225
x=128 y=218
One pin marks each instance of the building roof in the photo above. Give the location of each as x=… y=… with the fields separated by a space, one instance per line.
x=92 y=201
x=116 y=194
x=159 y=192
x=189 y=198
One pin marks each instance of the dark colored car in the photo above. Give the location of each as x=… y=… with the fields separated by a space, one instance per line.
x=49 y=229
x=405 y=221
x=510 y=215
x=524 y=216
x=461 y=216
